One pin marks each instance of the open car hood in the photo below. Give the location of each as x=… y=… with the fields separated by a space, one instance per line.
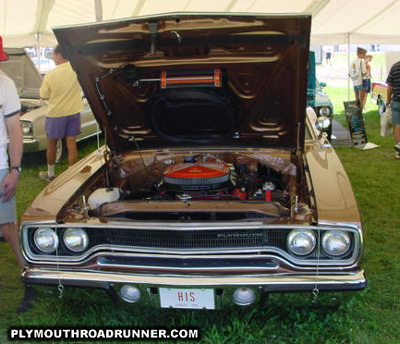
x=21 y=69
x=194 y=79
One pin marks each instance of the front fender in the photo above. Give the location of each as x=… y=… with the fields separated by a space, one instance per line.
x=331 y=186
x=53 y=197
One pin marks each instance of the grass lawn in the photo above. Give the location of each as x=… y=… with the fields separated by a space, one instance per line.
x=370 y=316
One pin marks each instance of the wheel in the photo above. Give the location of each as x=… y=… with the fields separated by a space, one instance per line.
x=59 y=150
x=381 y=106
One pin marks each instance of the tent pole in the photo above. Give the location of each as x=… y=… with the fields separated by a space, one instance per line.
x=98 y=6
x=38 y=50
x=348 y=64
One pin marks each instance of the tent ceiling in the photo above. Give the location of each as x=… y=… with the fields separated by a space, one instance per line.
x=334 y=21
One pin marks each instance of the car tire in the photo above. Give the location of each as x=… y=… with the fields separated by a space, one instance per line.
x=59 y=151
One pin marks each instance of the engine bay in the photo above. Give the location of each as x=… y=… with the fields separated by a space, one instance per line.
x=193 y=185
x=208 y=177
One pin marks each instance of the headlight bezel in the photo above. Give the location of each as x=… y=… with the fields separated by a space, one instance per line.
x=325 y=111
x=304 y=232
x=27 y=128
x=84 y=237
x=325 y=237
x=53 y=234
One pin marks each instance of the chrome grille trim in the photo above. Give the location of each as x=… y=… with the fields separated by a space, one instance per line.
x=269 y=264
x=239 y=251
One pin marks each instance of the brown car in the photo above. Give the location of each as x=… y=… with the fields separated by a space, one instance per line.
x=214 y=186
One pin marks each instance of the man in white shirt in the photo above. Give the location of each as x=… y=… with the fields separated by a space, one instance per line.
x=10 y=128
x=358 y=72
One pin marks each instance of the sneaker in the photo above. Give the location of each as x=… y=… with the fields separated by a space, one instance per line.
x=397 y=148
x=29 y=298
x=44 y=175
x=397 y=155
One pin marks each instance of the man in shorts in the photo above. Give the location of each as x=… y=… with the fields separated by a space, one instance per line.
x=61 y=88
x=10 y=127
x=358 y=72
x=393 y=100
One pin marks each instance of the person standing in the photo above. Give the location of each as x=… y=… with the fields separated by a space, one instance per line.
x=358 y=72
x=328 y=57
x=367 y=79
x=10 y=108
x=61 y=88
x=393 y=100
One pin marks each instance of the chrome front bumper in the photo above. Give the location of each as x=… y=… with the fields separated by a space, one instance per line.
x=30 y=145
x=272 y=283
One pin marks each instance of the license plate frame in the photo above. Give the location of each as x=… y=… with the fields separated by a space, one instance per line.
x=187 y=298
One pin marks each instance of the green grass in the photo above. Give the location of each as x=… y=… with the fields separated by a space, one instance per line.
x=367 y=317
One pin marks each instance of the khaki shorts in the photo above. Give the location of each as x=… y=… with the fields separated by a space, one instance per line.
x=7 y=210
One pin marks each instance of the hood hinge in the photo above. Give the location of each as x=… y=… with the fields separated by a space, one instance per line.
x=153 y=37
x=298 y=150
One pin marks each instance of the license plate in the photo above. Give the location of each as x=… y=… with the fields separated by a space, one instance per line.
x=187 y=298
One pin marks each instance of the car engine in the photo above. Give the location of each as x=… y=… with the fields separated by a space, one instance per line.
x=199 y=174
x=208 y=177
x=198 y=177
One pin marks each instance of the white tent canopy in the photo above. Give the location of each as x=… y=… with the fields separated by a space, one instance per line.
x=29 y=22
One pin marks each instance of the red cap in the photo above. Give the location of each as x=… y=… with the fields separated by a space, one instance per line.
x=3 y=55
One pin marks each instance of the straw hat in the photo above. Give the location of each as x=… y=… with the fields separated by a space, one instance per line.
x=361 y=50
x=3 y=55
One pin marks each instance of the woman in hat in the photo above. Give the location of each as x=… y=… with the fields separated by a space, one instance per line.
x=367 y=79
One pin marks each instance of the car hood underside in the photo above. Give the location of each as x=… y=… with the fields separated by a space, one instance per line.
x=232 y=80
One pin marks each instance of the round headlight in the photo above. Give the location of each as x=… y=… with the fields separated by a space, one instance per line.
x=76 y=239
x=26 y=128
x=324 y=111
x=46 y=240
x=336 y=243
x=301 y=241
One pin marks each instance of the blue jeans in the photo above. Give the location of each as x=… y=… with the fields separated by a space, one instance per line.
x=395 y=112
x=7 y=210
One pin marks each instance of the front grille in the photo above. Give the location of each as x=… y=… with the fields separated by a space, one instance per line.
x=187 y=240
x=193 y=239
